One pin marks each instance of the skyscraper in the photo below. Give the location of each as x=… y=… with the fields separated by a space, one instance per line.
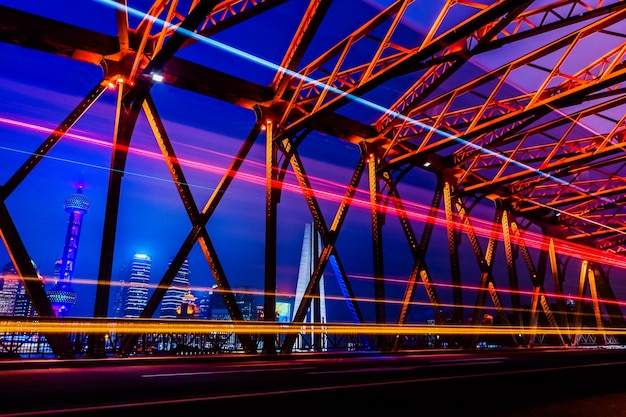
x=23 y=305
x=120 y=288
x=62 y=296
x=174 y=295
x=137 y=293
x=311 y=247
x=10 y=284
x=119 y=300
x=14 y=300
x=204 y=305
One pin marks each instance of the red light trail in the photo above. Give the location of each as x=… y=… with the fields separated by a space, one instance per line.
x=414 y=210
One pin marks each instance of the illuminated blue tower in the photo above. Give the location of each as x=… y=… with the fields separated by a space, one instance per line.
x=62 y=296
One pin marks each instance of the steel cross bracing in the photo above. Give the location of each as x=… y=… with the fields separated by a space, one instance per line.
x=519 y=102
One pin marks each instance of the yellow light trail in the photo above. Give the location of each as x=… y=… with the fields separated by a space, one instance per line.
x=136 y=326
x=370 y=300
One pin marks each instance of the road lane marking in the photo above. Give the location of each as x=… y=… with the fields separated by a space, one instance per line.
x=469 y=360
x=359 y=370
x=235 y=371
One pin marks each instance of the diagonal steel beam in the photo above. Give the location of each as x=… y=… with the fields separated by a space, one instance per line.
x=52 y=140
x=194 y=215
x=404 y=63
x=539 y=298
x=59 y=343
x=328 y=237
x=419 y=253
x=129 y=104
x=485 y=263
x=198 y=230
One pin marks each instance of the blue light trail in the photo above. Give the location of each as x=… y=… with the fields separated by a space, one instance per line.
x=275 y=67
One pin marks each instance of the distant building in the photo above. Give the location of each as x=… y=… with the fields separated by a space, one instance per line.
x=11 y=284
x=218 y=310
x=23 y=305
x=187 y=309
x=120 y=289
x=246 y=303
x=14 y=300
x=217 y=307
x=137 y=292
x=174 y=295
x=284 y=307
x=204 y=305
x=283 y=313
x=118 y=300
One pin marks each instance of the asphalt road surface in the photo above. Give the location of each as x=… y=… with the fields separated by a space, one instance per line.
x=537 y=383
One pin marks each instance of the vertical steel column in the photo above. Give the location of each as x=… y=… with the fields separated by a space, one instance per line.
x=453 y=248
x=316 y=311
x=538 y=295
x=512 y=270
x=271 y=202
x=557 y=276
x=377 y=244
x=485 y=264
x=606 y=294
x=578 y=316
x=596 y=305
x=125 y=120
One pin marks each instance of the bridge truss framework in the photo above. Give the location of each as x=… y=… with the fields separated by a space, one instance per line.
x=548 y=155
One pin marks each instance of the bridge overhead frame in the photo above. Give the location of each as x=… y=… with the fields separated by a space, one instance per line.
x=554 y=177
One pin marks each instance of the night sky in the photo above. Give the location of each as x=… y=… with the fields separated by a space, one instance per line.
x=37 y=91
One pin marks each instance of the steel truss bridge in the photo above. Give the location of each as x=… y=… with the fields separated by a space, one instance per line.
x=508 y=107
